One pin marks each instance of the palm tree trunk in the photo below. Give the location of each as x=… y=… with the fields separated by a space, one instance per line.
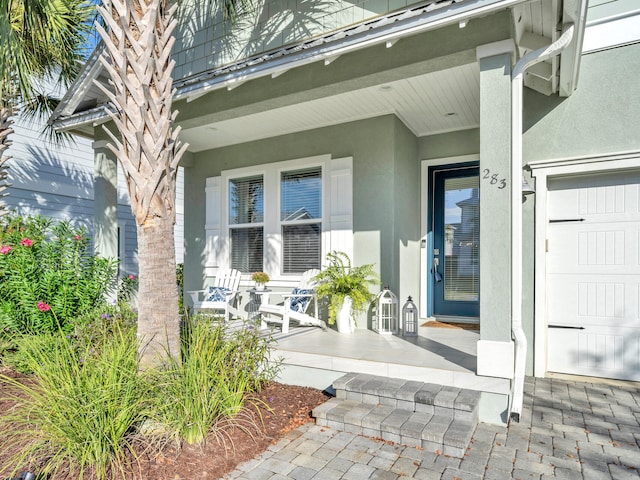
x=139 y=41
x=6 y=121
x=158 y=317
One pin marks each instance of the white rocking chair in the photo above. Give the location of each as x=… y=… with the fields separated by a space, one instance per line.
x=221 y=295
x=296 y=305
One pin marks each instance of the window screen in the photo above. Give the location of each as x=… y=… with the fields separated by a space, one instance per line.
x=300 y=215
x=246 y=214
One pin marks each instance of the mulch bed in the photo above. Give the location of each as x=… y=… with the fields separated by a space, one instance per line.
x=274 y=412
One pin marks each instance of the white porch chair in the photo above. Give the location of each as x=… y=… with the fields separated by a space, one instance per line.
x=221 y=295
x=296 y=304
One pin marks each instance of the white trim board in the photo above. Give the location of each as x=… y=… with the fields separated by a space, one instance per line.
x=611 y=33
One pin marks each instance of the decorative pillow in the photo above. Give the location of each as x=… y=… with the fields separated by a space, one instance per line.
x=299 y=304
x=217 y=294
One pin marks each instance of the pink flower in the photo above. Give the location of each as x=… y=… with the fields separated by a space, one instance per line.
x=77 y=237
x=132 y=276
x=25 y=242
x=5 y=249
x=43 y=307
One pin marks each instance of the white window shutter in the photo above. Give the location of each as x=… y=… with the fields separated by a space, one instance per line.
x=340 y=206
x=215 y=240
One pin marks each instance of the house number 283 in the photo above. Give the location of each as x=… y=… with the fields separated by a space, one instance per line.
x=494 y=179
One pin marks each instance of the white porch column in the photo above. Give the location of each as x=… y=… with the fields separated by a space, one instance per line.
x=105 y=201
x=495 y=347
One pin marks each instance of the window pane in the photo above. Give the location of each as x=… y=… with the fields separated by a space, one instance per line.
x=300 y=247
x=462 y=239
x=246 y=200
x=246 y=249
x=301 y=195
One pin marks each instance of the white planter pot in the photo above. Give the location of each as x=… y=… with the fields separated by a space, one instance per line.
x=344 y=317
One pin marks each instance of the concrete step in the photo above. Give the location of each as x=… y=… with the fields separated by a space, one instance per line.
x=415 y=429
x=411 y=413
x=450 y=402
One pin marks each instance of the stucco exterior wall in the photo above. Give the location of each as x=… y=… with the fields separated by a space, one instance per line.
x=385 y=171
x=600 y=117
x=407 y=212
x=452 y=144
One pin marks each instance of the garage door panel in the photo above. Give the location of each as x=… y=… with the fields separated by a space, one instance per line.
x=609 y=352
x=593 y=275
x=607 y=200
x=578 y=302
x=608 y=194
x=587 y=249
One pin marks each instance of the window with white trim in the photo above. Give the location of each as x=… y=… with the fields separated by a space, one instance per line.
x=301 y=219
x=281 y=218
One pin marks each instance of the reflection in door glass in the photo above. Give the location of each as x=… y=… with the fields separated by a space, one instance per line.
x=462 y=238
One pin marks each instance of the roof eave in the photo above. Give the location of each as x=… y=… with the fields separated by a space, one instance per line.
x=193 y=87
x=81 y=120
x=457 y=13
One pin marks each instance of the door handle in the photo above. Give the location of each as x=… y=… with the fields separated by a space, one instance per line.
x=436 y=274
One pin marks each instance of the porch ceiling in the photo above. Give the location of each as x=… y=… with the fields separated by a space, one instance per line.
x=437 y=102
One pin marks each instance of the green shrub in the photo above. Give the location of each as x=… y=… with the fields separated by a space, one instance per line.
x=81 y=408
x=48 y=275
x=127 y=288
x=218 y=368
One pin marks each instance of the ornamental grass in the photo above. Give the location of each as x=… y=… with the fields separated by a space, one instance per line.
x=86 y=404
x=219 y=366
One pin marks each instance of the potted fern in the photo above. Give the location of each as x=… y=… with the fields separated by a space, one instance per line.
x=346 y=287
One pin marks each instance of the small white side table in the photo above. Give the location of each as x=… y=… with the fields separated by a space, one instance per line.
x=258 y=297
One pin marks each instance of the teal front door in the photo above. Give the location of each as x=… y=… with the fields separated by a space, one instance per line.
x=455 y=259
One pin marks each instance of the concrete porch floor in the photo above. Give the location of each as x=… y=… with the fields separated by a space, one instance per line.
x=315 y=358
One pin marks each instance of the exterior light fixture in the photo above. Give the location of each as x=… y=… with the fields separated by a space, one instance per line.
x=385 y=319
x=527 y=189
x=409 y=318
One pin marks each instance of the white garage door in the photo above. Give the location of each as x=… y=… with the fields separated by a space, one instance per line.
x=593 y=275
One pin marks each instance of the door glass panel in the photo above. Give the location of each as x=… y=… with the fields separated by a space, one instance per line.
x=462 y=238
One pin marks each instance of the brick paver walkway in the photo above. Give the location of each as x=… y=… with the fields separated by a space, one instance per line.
x=569 y=430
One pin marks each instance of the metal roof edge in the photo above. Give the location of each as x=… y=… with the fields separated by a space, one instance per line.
x=324 y=48
x=81 y=119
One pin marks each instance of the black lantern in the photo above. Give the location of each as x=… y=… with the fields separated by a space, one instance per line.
x=409 y=318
